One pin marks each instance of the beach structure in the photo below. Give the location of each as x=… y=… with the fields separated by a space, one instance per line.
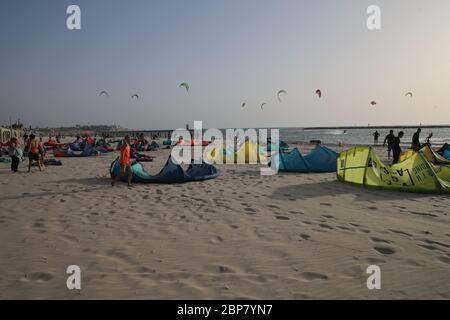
x=170 y=173
x=6 y=134
x=361 y=166
x=320 y=159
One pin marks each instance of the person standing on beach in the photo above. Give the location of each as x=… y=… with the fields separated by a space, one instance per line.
x=416 y=140
x=124 y=161
x=25 y=143
x=42 y=152
x=390 y=138
x=396 y=149
x=15 y=153
x=375 y=137
x=33 y=152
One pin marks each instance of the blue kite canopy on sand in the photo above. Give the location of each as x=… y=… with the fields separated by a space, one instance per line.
x=445 y=151
x=170 y=173
x=320 y=159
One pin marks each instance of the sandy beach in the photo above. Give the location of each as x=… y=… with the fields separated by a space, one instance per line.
x=239 y=236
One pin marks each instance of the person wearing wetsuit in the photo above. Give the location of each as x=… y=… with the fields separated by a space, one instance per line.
x=416 y=140
x=390 y=138
x=396 y=149
x=375 y=137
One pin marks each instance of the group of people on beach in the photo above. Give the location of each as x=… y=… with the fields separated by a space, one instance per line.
x=33 y=149
x=393 y=143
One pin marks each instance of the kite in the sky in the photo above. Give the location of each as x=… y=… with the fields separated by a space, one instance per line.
x=135 y=96
x=184 y=85
x=319 y=93
x=373 y=103
x=409 y=94
x=280 y=92
x=262 y=105
x=103 y=93
x=243 y=104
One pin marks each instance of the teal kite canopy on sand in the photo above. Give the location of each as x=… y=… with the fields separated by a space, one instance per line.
x=170 y=173
x=320 y=159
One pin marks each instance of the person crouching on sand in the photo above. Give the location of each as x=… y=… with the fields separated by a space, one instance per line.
x=124 y=161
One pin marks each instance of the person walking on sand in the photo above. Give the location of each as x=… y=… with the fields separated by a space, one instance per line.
x=42 y=152
x=15 y=153
x=124 y=161
x=33 y=152
x=396 y=149
x=376 y=134
x=415 y=145
x=390 y=138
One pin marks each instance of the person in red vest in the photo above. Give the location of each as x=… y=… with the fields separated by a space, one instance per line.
x=124 y=161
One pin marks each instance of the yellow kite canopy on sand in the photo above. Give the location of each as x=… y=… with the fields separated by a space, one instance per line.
x=428 y=153
x=249 y=152
x=360 y=165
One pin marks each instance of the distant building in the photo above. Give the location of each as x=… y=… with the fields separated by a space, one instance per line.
x=6 y=134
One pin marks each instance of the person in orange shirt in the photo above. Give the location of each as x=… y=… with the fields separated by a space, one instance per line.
x=124 y=161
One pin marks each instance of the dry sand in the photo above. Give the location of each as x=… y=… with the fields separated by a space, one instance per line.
x=242 y=235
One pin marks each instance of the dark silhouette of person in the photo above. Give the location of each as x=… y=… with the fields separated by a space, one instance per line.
x=396 y=149
x=376 y=134
x=390 y=138
x=416 y=140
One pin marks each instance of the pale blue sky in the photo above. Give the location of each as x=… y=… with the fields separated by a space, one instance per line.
x=229 y=51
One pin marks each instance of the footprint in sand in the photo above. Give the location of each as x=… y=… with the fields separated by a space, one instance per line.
x=430 y=247
x=38 y=276
x=326 y=204
x=384 y=250
x=282 y=218
x=346 y=228
x=305 y=236
x=375 y=260
x=250 y=211
x=38 y=225
x=444 y=259
x=217 y=239
x=441 y=244
x=225 y=269
x=379 y=240
x=311 y=276
x=144 y=271
x=400 y=232
x=325 y=226
x=423 y=214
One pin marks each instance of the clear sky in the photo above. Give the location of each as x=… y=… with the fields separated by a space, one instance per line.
x=230 y=52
